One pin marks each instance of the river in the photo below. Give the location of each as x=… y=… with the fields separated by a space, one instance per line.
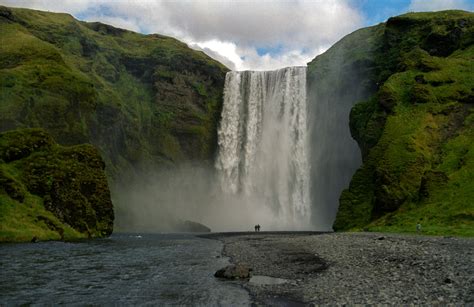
x=125 y=269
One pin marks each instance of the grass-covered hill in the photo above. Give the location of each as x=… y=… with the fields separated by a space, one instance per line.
x=414 y=124
x=143 y=100
x=149 y=100
x=51 y=192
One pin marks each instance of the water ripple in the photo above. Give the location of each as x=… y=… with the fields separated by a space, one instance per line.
x=124 y=269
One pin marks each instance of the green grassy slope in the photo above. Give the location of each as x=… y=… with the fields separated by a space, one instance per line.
x=416 y=130
x=143 y=100
x=49 y=191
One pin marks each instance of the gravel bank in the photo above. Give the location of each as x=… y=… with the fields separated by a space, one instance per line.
x=356 y=268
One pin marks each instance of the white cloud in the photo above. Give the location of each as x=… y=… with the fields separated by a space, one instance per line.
x=68 y=6
x=227 y=50
x=118 y=22
x=438 y=5
x=293 y=32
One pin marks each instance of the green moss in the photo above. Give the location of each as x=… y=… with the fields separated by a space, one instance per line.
x=15 y=146
x=51 y=192
x=416 y=131
x=21 y=222
x=127 y=93
x=200 y=89
x=366 y=123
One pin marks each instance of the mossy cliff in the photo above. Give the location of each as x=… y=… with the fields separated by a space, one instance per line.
x=143 y=100
x=336 y=80
x=51 y=192
x=415 y=128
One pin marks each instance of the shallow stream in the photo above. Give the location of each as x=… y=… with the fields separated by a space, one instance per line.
x=160 y=269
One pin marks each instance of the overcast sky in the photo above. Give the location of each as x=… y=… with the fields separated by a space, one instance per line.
x=257 y=35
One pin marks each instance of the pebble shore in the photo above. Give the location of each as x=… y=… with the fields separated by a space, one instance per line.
x=355 y=268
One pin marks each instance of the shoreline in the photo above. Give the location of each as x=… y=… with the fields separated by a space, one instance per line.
x=353 y=268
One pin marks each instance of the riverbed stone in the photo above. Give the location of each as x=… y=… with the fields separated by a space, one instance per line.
x=234 y=271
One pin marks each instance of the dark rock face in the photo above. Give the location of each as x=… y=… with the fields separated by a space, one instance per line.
x=70 y=181
x=234 y=271
x=443 y=44
x=6 y=13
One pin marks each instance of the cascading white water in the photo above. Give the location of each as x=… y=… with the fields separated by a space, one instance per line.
x=263 y=143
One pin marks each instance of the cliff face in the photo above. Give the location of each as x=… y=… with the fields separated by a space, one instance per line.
x=143 y=100
x=49 y=191
x=415 y=128
x=337 y=79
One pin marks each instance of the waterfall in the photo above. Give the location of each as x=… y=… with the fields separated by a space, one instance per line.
x=263 y=143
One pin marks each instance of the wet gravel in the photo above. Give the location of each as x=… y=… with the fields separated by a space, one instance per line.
x=356 y=268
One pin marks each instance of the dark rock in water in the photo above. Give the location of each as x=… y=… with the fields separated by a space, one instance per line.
x=190 y=226
x=237 y=271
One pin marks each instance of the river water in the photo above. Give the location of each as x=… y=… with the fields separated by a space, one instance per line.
x=155 y=269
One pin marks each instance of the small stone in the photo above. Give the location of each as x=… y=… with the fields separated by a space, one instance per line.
x=448 y=280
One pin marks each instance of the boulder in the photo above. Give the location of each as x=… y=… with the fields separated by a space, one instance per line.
x=234 y=271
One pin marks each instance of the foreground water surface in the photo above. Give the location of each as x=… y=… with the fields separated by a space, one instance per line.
x=125 y=269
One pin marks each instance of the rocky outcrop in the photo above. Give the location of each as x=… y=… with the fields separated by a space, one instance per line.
x=49 y=191
x=414 y=126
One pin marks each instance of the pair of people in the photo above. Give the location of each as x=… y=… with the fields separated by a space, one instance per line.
x=257 y=228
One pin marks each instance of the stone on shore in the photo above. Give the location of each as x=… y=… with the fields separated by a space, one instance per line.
x=234 y=271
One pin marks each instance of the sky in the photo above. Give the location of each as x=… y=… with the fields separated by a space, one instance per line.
x=245 y=34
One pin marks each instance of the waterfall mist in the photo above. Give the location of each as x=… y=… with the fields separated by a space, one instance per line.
x=188 y=192
x=336 y=82
x=285 y=155
x=261 y=173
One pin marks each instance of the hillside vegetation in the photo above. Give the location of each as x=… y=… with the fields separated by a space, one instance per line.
x=149 y=101
x=51 y=192
x=415 y=129
x=143 y=100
